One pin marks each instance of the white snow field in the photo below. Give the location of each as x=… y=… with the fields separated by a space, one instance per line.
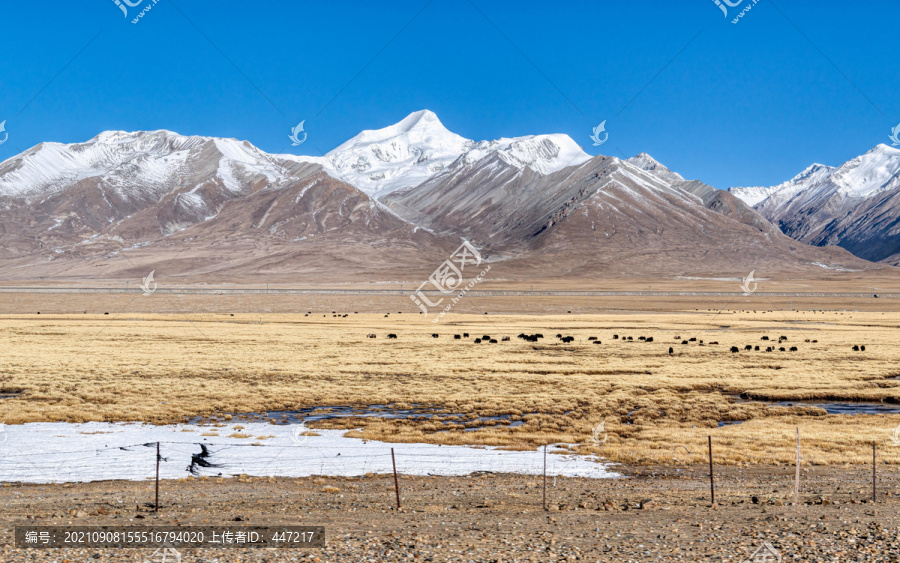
x=98 y=451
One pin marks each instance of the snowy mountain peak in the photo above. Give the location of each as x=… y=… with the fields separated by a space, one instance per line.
x=135 y=164
x=120 y=136
x=647 y=163
x=419 y=126
x=422 y=119
x=853 y=205
x=870 y=173
x=882 y=148
x=377 y=162
x=544 y=153
x=812 y=170
x=402 y=155
x=861 y=177
x=412 y=151
x=757 y=194
x=140 y=140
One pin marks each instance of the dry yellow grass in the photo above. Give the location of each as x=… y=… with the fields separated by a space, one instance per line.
x=657 y=408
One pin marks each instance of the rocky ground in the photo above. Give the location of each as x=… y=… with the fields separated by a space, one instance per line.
x=656 y=514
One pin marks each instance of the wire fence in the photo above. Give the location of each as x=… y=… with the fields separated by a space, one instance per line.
x=173 y=459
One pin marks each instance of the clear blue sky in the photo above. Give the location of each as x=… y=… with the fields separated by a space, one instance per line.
x=739 y=104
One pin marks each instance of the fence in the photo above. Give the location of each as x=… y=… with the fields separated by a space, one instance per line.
x=46 y=461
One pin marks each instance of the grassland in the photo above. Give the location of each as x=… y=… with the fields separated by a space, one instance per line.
x=656 y=408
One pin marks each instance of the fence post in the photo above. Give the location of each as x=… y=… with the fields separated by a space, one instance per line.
x=396 y=483
x=545 y=477
x=156 y=505
x=797 y=479
x=712 y=487
x=874 y=497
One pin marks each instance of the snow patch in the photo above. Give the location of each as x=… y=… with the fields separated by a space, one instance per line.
x=96 y=451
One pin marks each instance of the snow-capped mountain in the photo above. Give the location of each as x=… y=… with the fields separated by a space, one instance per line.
x=604 y=215
x=401 y=155
x=136 y=165
x=412 y=151
x=125 y=202
x=647 y=163
x=130 y=171
x=102 y=184
x=756 y=194
x=121 y=195
x=856 y=205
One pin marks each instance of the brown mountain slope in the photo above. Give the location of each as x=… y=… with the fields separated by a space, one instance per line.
x=317 y=229
x=606 y=217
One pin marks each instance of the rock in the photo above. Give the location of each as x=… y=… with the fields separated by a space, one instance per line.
x=80 y=514
x=648 y=504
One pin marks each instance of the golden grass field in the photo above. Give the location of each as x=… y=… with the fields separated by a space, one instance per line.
x=656 y=408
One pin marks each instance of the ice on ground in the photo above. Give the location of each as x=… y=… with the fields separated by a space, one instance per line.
x=98 y=451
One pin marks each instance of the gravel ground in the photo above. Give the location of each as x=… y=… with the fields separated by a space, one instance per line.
x=657 y=514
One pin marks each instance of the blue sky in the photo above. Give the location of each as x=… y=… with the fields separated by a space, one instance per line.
x=751 y=103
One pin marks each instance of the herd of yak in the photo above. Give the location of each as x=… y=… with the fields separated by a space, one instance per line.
x=569 y=339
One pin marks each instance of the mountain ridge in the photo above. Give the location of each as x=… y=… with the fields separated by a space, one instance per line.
x=124 y=199
x=855 y=205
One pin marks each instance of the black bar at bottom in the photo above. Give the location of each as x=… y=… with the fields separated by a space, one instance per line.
x=44 y=537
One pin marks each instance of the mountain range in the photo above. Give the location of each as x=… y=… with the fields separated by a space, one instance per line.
x=855 y=206
x=387 y=205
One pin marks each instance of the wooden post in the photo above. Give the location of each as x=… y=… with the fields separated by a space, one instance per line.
x=797 y=480
x=396 y=483
x=156 y=505
x=545 y=477
x=712 y=487
x=874 y=497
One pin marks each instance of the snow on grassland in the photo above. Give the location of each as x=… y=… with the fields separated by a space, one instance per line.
x=96 y=451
